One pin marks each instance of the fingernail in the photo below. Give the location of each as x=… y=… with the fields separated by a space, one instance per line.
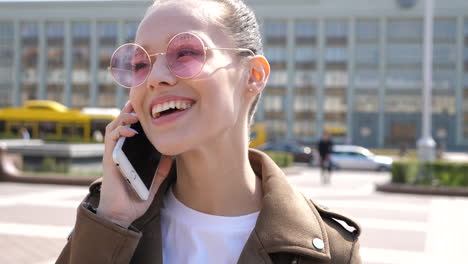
x=134 y=114
x=136 y=132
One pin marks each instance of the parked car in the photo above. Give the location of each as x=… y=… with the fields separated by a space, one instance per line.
x=300 y=152
x=359 y=158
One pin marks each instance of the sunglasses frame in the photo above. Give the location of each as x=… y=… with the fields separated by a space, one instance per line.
x=205 y=49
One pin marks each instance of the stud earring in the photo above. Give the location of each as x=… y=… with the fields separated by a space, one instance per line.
x=250 y=90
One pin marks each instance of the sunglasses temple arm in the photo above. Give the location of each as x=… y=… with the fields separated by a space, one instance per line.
x=233 y=49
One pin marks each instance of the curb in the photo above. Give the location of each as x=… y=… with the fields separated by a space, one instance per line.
x=66 y=180
x=423 y=190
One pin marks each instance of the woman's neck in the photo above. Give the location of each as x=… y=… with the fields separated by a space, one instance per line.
x=218 y=180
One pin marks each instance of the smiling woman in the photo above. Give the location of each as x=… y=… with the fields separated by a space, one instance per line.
x=195 y=74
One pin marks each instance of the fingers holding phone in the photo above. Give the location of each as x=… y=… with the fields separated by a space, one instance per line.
x=130 y=162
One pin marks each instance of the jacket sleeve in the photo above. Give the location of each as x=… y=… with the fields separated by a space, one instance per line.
x=95 y=240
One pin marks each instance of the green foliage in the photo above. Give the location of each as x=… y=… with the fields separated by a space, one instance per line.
x=282 y=159
x=438 y=173
x=53 y=165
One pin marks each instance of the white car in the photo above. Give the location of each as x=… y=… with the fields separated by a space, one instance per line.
x=358 y=158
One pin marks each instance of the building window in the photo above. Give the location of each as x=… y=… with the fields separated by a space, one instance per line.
x=29 y=60
x=336 y=54
x=404 y=79
x=278 y=78
x=405 y=30
x=367 y=54
x=273 y=103
x=444 y=53
x=55 y=63
x=367 y=30
x=132 y=28
x=305 y=54
x=107 y=44
x=366 y=101
x=336 y=79
x=305 y=78
x=336 y=29
x=275 y=32
x=445 y=29
x=275 y=54
x=306 y=31
x=305 y=103
x=81 y=33
x=366 y=78
x=406 y=53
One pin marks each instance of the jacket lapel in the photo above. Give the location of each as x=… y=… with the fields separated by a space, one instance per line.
x=288 y=222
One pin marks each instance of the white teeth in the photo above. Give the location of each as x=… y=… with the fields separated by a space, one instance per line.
x=180 y=105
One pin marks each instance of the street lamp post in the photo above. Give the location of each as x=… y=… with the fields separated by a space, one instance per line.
x=426 y=144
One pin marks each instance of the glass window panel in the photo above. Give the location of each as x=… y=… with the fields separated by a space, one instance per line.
x=335 y=104
x=336 y=29
x=305 y=103
x=366 y=78
x=465 y=28
x=55 y=66
x=275 y=30
x=367 y=30
x=404 y=53
x=336 y=54
x=304 y=128
x=444 y=79
x=465 y=53
x=305 y=78
x=367 y=54
x=306 y=29
x=365 y=102
x=405 y=79
x=278 y=78
x=131 y=31
x=275 y=54
x=336 y=78
x=29 y=60
x=443 y=104
x=305 y=54
x=107 y=30
x=81 y=30
x=6 y=31
x=445 y=53
x=405 y=29
x=445 y=29
x=107 y=45
x=81 y=33
x=403 y=103
x=273 y=103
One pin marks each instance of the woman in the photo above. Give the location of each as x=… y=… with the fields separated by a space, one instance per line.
x=223 y=203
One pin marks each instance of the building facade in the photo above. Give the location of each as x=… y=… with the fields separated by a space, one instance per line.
x=351 y=67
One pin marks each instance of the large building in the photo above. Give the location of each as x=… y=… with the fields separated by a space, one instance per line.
x=351 y=67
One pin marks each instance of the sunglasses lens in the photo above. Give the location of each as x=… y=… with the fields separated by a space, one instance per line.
x=130 y=65
x=185 y=55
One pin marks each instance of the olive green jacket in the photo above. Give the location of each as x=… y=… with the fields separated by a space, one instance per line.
x=290 y=229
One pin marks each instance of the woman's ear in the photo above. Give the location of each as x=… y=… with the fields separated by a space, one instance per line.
x=259 y=70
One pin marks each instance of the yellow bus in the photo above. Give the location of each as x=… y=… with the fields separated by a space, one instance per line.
x=258 y=135
x=45 y=119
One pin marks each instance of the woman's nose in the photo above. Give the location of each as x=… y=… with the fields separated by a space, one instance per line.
x=160 y=75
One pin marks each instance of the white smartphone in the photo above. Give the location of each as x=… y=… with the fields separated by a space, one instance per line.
x=138 y=161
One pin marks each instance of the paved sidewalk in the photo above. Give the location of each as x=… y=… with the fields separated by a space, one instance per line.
x=397 y=228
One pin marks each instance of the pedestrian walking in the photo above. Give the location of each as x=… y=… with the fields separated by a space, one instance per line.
x=325 y=147
x=219 y=202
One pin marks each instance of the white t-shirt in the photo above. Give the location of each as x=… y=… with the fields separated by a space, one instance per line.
x=189 y=236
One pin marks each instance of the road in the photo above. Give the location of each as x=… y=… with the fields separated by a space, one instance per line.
x=397 y=228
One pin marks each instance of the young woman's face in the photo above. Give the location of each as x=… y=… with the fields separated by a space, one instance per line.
x=215 y=96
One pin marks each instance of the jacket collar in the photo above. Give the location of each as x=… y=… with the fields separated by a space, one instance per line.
x=288 y=222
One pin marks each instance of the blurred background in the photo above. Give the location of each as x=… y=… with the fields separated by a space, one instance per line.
x=352 y=68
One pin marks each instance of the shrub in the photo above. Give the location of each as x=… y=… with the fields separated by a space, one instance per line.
x=438 y=173
x=282 y=159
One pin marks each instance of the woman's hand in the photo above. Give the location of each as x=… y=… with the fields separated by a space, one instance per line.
x=118 y=202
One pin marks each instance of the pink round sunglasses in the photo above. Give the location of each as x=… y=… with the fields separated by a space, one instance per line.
x=131 y=64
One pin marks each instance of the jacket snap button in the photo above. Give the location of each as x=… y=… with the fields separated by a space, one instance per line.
x=318 y=243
